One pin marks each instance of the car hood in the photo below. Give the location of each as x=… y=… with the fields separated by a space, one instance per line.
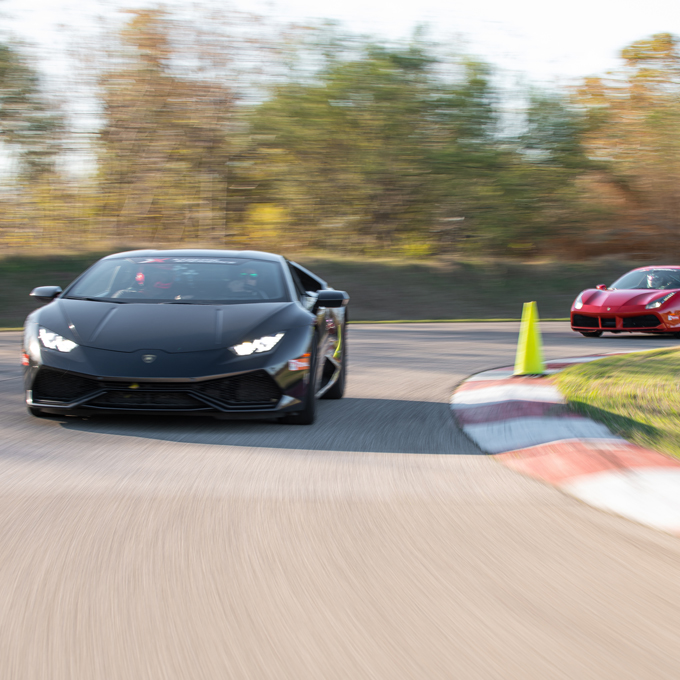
x=172 y=328
x=620 y=298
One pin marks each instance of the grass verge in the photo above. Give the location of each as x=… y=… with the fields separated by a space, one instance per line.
x=634 y=395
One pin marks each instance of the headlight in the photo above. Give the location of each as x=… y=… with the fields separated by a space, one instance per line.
x=657 y=303
x=53 y=341
x=263 y=344
x=579 y=301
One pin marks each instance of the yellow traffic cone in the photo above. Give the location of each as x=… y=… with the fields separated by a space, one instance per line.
x=529 y=360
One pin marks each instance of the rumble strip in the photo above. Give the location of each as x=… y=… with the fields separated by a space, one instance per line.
x=525 y=423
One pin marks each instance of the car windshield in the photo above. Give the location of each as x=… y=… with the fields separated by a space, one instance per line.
x=182 y=280
x=648 y=279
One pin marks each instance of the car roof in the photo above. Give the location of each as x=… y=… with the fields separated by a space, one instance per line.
x=657 y=266
x=195 y=252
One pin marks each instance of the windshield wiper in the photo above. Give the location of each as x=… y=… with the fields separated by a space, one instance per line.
x=187 y=302
x=94 y=299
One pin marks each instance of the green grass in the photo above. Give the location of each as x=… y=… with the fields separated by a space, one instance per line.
x=20 y=274
x=635 y=395
x=388 y=289
x=382 y=290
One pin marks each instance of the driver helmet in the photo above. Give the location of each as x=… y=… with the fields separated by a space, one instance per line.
x=248 y=275
x=655 y=279
x=155 y=275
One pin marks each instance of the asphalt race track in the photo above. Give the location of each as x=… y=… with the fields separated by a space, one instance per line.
x=378 y=543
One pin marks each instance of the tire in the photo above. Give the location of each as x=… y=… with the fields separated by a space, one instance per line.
x=337 y=390
x=591 y=334
x=36 y=412
x=308 y=413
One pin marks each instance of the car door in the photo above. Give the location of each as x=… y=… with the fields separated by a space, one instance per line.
x=307 y=284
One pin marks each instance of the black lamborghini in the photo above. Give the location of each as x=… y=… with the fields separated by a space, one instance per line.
x=230 y=334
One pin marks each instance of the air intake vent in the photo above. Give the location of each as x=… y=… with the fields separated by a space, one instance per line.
x=645 y=321
x=582 y=321
x=51 y=385
x=147 y=400
x=250 y=389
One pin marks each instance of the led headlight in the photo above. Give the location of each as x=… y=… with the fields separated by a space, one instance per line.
x=657 y=303
x=53 y=341
x=579 y=301
x=263 y=344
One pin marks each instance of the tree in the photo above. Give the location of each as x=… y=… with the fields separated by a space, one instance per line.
x=385 y=149
x=170 y=131
x=28 y=123
x=360 y=152
x=634 y=138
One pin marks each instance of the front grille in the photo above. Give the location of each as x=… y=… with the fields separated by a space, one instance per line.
x=249 y=389
x=645 y=321
x=51 y=385
x=585 y=321
x=608 y=323
x=151 y=400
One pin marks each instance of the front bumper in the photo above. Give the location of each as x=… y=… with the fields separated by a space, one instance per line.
x=236 y=387
x=635 y=322
x=251 y=394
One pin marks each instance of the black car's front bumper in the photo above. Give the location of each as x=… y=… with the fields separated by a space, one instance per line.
x=252 y=394
x=237 y=387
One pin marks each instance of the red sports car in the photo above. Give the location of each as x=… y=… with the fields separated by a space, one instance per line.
x=645 y=300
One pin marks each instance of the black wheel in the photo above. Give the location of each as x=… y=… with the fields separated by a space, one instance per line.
x=337 y=390
x=591 y=334
x=36 y=412
x=307 y=415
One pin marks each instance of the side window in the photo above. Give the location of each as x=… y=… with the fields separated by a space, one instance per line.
x=306 y=279
x=299 y=288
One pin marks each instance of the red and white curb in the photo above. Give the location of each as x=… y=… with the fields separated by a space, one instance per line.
x=525 y=423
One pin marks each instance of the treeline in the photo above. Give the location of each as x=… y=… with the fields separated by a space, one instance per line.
x=307 y=138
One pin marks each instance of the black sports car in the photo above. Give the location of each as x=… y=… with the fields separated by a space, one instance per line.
x=231 y=334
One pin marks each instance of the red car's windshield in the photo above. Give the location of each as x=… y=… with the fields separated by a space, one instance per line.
x=648 y=279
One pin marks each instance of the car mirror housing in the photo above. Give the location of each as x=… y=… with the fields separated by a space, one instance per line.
x=46 y=293
x=329 y=297
x=602 y=286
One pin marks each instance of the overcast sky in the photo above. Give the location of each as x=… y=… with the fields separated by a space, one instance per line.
x=547 y=41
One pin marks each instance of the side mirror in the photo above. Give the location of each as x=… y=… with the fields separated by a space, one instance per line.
x=46 y=293
x=601 y=287
x=327 y=297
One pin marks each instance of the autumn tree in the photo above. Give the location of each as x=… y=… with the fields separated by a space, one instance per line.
x=398 y=147
x=170 y=132
x=634 y=138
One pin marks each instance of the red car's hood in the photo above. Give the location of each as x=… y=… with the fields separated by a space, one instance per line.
x=620 y=298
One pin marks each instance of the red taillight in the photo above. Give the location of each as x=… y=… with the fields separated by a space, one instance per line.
x=25 y=361
x=299 y=364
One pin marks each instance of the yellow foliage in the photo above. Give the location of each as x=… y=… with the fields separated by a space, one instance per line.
x=413 y=248
x=266 y=224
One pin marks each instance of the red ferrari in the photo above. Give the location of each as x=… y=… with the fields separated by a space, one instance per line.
x=645 y=300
